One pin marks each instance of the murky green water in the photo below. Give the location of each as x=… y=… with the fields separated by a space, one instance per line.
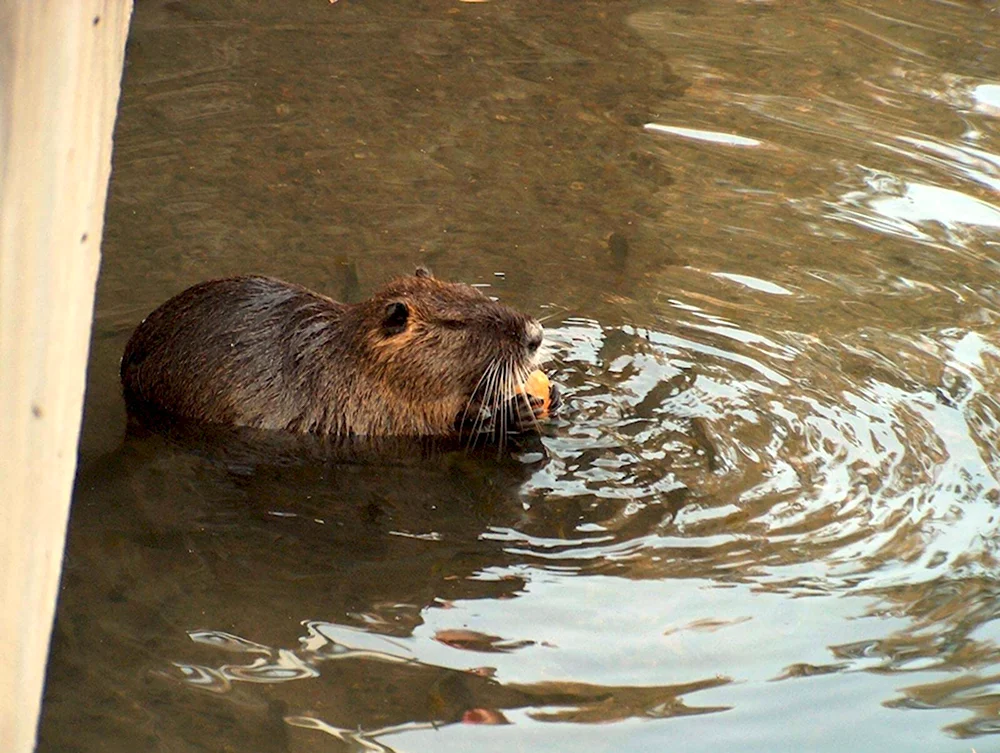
x=766 y=237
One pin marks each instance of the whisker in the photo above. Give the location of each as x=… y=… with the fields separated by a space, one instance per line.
x=498 y=399
x=486 y=379
x=466 y=425
x=472 y=396
x=491 y=391
x=503 y=390
x=495 y=413
x=563 y=311
x=522 y=379
x=496 y=407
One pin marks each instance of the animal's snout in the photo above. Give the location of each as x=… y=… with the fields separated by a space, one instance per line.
x=533 y=335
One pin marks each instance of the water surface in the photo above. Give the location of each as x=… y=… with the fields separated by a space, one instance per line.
x=765 y=240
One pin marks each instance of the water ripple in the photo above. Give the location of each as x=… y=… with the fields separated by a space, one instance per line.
x=878 y=480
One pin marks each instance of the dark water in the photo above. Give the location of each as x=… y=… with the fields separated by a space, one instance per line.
x=766 y=237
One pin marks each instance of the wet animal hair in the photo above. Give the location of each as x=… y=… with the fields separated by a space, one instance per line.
x=421 y=357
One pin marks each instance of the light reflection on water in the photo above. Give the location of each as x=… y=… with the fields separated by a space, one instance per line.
x=766 y=237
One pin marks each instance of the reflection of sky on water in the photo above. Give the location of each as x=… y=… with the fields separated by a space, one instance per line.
x=925 y=203
x=697 y=134
x=893 y=205
x=755 y=283
x=987 y=97
x=959 y=160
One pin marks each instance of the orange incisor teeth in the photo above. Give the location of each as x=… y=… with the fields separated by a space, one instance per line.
x=537 y=385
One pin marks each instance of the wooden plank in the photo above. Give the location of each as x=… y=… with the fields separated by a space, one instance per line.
x=60 y=72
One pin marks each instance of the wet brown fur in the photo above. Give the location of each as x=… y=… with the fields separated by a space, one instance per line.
x=259 y=352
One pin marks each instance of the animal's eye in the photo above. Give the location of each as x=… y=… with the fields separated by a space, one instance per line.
x=454 y=323
x=396 y=315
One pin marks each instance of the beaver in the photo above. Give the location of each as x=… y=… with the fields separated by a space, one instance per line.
x=421 y=358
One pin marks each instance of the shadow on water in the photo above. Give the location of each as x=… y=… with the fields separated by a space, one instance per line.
x=764 y=238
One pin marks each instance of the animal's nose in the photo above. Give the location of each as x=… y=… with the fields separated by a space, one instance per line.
x=533 y=334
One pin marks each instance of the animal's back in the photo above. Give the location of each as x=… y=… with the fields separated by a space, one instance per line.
x=225 y=351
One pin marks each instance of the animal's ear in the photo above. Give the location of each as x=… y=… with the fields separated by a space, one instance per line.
x=397 y=314
x=423 y=272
